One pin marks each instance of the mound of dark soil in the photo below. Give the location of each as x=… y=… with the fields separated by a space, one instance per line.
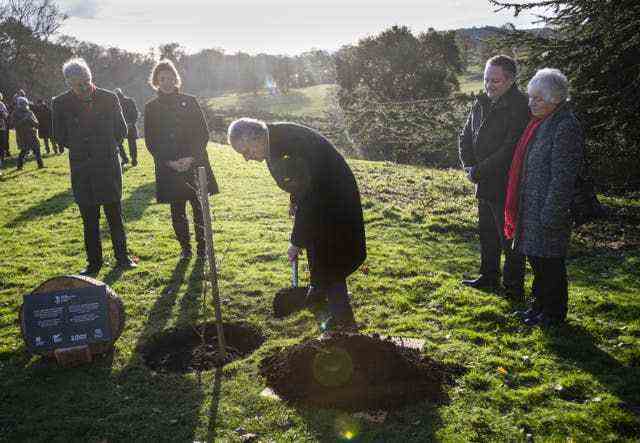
x=185 y=350
x=355 y=372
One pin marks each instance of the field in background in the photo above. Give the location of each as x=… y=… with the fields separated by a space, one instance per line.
x=310 y=101
x=578 y=383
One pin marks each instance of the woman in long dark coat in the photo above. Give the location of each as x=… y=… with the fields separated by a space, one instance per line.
x=176 y=134
x=540 y=191
x=325 y=200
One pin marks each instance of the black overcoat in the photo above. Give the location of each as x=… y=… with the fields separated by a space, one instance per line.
x=43 y=113
x=174 y=128
x=489 y=138
x=130 y=112
x=91 y=133
x=329 y=214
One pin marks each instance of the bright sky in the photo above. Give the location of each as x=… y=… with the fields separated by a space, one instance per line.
x=269 y=26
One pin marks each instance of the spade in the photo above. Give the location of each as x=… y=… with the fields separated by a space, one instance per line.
x=290 y=300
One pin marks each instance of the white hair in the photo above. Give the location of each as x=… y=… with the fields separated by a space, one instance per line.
x=76 y=67
x=248 y=131
x=552 y=85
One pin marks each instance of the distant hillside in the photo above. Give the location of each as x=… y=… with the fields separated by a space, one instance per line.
x=309 y=101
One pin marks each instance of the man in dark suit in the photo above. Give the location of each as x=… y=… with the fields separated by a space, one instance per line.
x=130 y=111
x=88 y=121
x=325 y=200
x=486 y=147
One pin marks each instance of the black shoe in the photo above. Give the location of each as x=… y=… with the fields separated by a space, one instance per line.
x=134 y=162
x=340 y=324
x=523 y=315
x=91 y=269
x=124 y=161
x=186 y=254
x=514 y=292
x=126 y=263
x=486 y=283
x=544 y=321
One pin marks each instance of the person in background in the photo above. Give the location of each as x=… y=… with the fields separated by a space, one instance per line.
x=26 y=123
x=130 y=111
x=325 y=199
x=176 y=135
x=87 y=120
x=43 y=114
x=486 y=147
x=4 y=132
x=540 y=191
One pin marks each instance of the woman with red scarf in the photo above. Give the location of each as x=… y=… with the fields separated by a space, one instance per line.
x=539 y=194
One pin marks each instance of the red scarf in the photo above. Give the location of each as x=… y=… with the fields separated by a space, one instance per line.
x=511 y=203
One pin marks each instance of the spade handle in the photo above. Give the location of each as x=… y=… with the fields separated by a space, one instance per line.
x=294 y=273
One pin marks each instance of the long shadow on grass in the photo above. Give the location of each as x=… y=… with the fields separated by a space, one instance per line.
x=215 y=404
x=51 y=206
x=192 y=298
x=138 y=201
x=128 y=404
x=575 y=345
x=164 y=400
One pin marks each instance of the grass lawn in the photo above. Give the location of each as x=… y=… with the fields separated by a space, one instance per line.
x=471 y=80
x=310 y=101
x=577 y=383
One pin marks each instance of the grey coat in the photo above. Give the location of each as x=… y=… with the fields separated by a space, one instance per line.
x=547 y=183
x=91 y=136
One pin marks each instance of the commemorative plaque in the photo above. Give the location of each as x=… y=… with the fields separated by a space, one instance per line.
x=66 y=318
x=71 y=318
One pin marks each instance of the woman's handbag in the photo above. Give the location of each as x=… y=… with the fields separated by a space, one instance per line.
x=585 y=207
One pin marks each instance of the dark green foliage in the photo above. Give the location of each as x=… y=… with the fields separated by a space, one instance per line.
x=395 y=90
x=597 y=45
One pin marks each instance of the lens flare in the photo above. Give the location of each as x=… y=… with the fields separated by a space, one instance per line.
x=332 y=367
x=347 y=428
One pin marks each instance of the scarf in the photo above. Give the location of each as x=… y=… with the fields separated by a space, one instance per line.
x=87 y=99
x=513 y=192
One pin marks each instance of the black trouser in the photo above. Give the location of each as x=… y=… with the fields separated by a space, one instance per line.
x=91 y=221
x=4 y=143
x=335 y=287
x=181 y=223
x=133 y=148
x=550 y=287
x=493 y=243
x=53 y=145
x=36 y=153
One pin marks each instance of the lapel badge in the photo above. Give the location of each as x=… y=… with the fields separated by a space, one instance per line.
x=183 y=104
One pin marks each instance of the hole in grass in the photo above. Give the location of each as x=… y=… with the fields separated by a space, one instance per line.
x=356 y=372
x=184 y=350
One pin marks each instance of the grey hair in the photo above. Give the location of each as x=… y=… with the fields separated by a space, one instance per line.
x=76 y=67
x=247 y=130
x=551 y=83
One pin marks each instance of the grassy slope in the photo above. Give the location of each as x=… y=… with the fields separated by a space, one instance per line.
x=421 y=238
x=303 y=101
